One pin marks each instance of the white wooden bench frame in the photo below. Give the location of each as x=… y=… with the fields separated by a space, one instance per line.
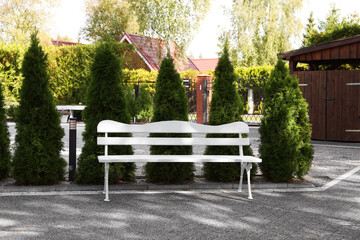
x=108 y=126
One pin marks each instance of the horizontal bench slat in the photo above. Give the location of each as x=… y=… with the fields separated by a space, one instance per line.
x=170 y=127
x=172 y=141
x=178 y=158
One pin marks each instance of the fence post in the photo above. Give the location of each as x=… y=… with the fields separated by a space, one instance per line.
x=250 y=102
x=72 y=148
x=203 y=98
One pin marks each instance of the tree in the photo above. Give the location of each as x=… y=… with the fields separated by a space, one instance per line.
x=261 y=29
x=130 y=100
x=331 y=21
x=144 y=105
x=37 y=159
x=172 y=20
x=310 y=31
x=107 y=20
x=4 y=141
x=19 y=17
x=285 y=130
x=105 y=101
x=170 y=103
x=225 y=107
x=332 y=28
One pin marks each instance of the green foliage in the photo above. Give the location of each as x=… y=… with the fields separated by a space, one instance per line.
x=226 y=107
x=310 y=31
x=170 y=104
x=18 y=18
x=144 y=105
x=261 y=29
x=107 y=20
x=69 y=71
x=4 y=141
x=38 y=140
x=140 y=76
x=170 y=19
x=285 y=130
x=332 y=28
x=105 y=100
x=257 y=72
x=130 y=100
x=11 y=57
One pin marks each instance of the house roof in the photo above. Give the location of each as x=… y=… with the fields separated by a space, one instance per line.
x=206 y=64
x=345 y=48
x=148 y=49
x=62 y=43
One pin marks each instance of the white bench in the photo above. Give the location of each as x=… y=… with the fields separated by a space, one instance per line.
x=108 y=126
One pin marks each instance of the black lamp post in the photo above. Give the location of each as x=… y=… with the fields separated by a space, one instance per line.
x=72 y=148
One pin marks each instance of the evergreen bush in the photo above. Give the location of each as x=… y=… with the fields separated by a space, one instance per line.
x=144 y=105
x=130 y=100
x=4 y=140
x=37 y=158
x=170 y=103
x=285 y=130
x=105 y=101
x=226 y=107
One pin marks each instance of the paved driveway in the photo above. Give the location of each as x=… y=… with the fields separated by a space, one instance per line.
x=330 y=214
x=326 y=213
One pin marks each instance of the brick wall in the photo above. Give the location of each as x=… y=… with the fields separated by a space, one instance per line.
x=200 y=97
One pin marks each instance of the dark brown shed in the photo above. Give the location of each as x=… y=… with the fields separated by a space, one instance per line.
x=332 y=91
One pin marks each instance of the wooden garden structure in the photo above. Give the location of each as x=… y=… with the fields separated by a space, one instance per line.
x=331 y=90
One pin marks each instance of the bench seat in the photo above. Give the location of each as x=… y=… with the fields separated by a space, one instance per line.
x=111 y=129
x=178 y=158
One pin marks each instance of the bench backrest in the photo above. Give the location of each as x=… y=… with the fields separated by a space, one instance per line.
x=109 y=126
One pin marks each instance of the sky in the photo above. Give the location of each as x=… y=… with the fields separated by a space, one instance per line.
x=69 y=17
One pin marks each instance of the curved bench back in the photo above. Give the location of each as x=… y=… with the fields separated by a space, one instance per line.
x=170 y=127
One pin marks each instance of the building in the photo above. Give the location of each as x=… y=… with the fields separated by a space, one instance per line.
x=206 y=64
x=149 y=52
x=63 y=43
x=330 y=88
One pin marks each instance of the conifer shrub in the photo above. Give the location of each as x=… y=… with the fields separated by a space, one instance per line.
x=226 y=107
x=285 y=130
x=105 y=101
x=4 y=140
x=144 y=105
x=170 y=103
x=37 y=158
x=130 y=100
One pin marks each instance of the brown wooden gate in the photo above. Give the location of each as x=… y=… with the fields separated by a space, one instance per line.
x=334 y=103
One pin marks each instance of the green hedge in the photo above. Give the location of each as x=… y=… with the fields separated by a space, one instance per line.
x=69 y=71
x=11 y=58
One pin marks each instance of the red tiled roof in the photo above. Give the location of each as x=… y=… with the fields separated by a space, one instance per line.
x=148 y=49
x=206 y=64
x=62 y=43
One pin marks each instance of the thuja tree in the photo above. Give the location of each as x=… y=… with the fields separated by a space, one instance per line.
x=226 y=107
x=285 y=130
x=37 y=158
x=130 y=100
x=170 y=103
x=144 y=105
x=4 y=140
x=105 y=101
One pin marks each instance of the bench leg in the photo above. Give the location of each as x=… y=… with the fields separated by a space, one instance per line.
x=241 y=176
x=247 y=167
x=106 y=182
